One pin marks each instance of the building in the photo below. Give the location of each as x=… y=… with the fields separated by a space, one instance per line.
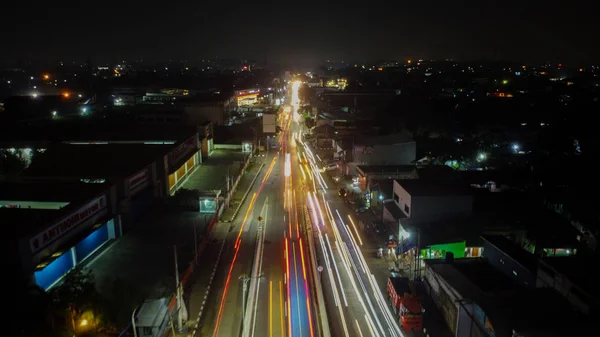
x=478 y=300
x=417 y=201
x=217 y=109
x=55 y=226
x=393 y=149
x=138 y=178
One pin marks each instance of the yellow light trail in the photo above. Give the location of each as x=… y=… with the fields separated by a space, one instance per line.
x=302 y=170
x=271 y=308
x=281 y=307
x=250 y=207
x=355 y=231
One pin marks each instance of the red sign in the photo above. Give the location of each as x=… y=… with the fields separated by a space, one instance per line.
x=247 y=92
x=183 y=149
x=138 y=181
x=67 y=224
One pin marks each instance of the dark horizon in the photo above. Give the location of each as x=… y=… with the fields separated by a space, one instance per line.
x=304 y=33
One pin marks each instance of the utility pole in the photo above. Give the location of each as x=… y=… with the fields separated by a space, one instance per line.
x=179 y=300
x=245 y=279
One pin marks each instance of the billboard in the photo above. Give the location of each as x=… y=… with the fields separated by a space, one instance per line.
x=269 y=123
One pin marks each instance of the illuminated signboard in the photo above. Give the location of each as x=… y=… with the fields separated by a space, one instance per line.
x=97 y=207
x=247 y=92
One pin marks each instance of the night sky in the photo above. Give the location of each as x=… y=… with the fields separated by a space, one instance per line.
x=301 y=31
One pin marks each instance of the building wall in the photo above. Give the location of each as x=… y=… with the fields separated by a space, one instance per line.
x=397 y=154
x=402 y=198
x=507 y=265
x=444 y=297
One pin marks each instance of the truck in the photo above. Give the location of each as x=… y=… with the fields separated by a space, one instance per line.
x=404 y=303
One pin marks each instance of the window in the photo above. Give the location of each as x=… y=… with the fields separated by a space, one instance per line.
x=147 y=331
x=407 y=209
x=396 y=198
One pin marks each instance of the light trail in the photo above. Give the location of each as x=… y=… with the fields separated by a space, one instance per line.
x=358 y=327
x=393 y=328
x=354 y=226
x=336 y=271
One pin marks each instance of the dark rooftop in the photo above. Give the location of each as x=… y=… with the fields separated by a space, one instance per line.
x=577 y=269
x=518 y=254
x=437 y=173
x=48 y=191
x=94 y=161
x=485 y=276
x=509 y=177
x=508 y=305
x=391 y=139
x=383 y=169
x=62 y=131
x=418 y=187
x=21 y=222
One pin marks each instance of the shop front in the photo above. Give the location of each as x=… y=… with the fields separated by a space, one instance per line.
x=72 y=239
x=182 y=162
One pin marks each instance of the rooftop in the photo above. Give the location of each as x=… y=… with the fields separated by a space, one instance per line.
x=391 y=139
x=94 y=161
x=518 y=254
x=50 y=191
x=22 y=222
x=509 y=306
x=419 y=187
x=385 y=169
x=437 y=173
x=577 y=269
x=63 y=131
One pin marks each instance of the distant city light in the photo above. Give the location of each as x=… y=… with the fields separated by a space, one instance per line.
x=66 y=94
x=481 y=157
x=54 y=113
x=516 y=147
x=35 y=95
x=46 y=76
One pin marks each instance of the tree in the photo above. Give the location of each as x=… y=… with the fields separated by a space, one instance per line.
x=75 y=296
x=11 y=163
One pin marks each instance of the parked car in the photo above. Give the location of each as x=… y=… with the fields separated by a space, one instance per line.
x=342 y=192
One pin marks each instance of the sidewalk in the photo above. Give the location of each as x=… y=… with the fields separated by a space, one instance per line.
x=245 y=182
x=196 y=294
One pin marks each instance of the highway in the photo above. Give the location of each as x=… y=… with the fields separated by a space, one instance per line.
x=268 y=261
x=354 y=302
x=268 y=285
